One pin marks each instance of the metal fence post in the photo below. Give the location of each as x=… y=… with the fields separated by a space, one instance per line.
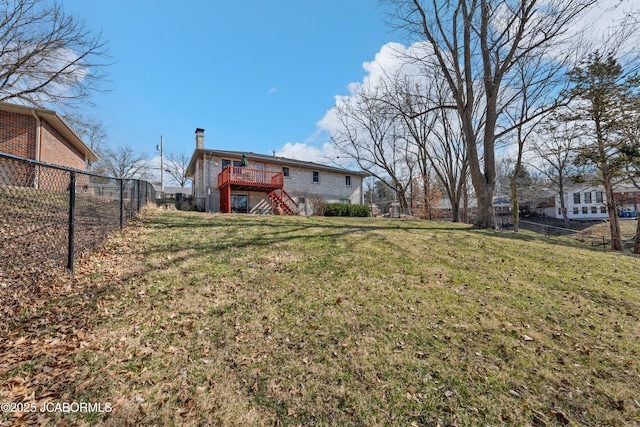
x=121 y=203
x=72 y=225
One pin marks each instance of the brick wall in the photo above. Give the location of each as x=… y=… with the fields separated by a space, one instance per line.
x=56 y=150
x=17 y=133
x=18 y=136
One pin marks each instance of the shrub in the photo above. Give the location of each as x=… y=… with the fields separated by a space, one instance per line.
x=318 y=204
x=340 y=209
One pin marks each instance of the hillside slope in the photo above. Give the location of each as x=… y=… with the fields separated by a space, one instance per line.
x=198 y=319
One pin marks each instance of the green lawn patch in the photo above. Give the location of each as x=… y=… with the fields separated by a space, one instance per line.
x=206 y=319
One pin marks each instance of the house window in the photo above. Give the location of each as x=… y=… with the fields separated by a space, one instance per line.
x=285 y=171
x=301 y=200
x=559 y=211
x=575 y=211
x=603 y=209
x=345 y=201
x=587 y=197
x=576 y=198
x=316 y=176
x=347 y=181
x=594 y=210
x=227 y=163
x=585 y=210
x=599 y=197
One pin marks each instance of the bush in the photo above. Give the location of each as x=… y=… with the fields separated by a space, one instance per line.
x=318 y=204
x=340 y=209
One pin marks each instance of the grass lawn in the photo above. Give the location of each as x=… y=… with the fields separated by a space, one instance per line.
x=207 y=319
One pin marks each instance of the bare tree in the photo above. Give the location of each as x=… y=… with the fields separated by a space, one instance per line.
x=371 y=134
x=435 y=138
x=554 y=153
x=483 y=41
x=90 y=130
x=123 y=162
x=177 y=164
x=534 y=99
x=47 y=56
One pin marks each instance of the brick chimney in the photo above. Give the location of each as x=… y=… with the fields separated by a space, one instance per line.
x=199 y=138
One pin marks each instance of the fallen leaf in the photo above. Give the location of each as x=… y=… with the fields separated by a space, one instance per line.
x=83 y=385
x=560 y=416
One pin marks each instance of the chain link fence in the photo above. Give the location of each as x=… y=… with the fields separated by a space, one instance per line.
x=49 y=217
x=581 y=234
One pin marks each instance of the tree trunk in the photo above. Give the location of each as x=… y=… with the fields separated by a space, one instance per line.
x=486 y=214
x=636 y=247
x=455 y=210
x=614 y=226
x=514 y=196
x=563 y=207
x=483 y=183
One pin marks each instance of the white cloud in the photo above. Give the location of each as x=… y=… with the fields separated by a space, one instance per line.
x=390 y=59
x=272 y=91
x=325 y=154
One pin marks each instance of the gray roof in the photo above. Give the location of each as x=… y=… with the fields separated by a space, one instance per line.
x=267 y=159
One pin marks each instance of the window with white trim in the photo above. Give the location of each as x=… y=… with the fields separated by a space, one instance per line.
x=576 y=198
x=599 y=197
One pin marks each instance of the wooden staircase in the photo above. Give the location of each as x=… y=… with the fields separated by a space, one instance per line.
x=288 y=205
x=246 y=179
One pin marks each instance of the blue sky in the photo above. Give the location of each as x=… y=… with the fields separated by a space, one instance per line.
x=256 y=75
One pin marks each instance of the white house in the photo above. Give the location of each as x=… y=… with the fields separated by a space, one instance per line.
x=583 y=202
x=245 y=182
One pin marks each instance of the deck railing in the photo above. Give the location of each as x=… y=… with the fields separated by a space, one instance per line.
x=236 y=175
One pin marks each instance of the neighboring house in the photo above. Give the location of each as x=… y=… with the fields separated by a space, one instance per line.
x=582 y=203
x=171 y=192
x=42 y=135
x=627 y=200
x=501 y=205
x=443 y=210
x=235 y=181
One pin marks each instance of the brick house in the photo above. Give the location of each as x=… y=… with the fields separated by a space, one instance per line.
x=627 y=200
x=41 y=135
x=244 y=182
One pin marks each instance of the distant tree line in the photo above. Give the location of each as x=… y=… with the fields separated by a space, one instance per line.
x=484 y=76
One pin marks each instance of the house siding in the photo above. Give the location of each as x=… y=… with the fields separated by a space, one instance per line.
x=551 y=209
x=331 y=187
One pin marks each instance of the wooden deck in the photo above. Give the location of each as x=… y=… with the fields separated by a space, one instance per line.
x=247 y=179
x=239 y=178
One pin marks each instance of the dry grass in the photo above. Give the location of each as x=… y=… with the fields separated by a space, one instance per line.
x=192 y=319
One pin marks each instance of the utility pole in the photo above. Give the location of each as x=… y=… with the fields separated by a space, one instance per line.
x=161 y=149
